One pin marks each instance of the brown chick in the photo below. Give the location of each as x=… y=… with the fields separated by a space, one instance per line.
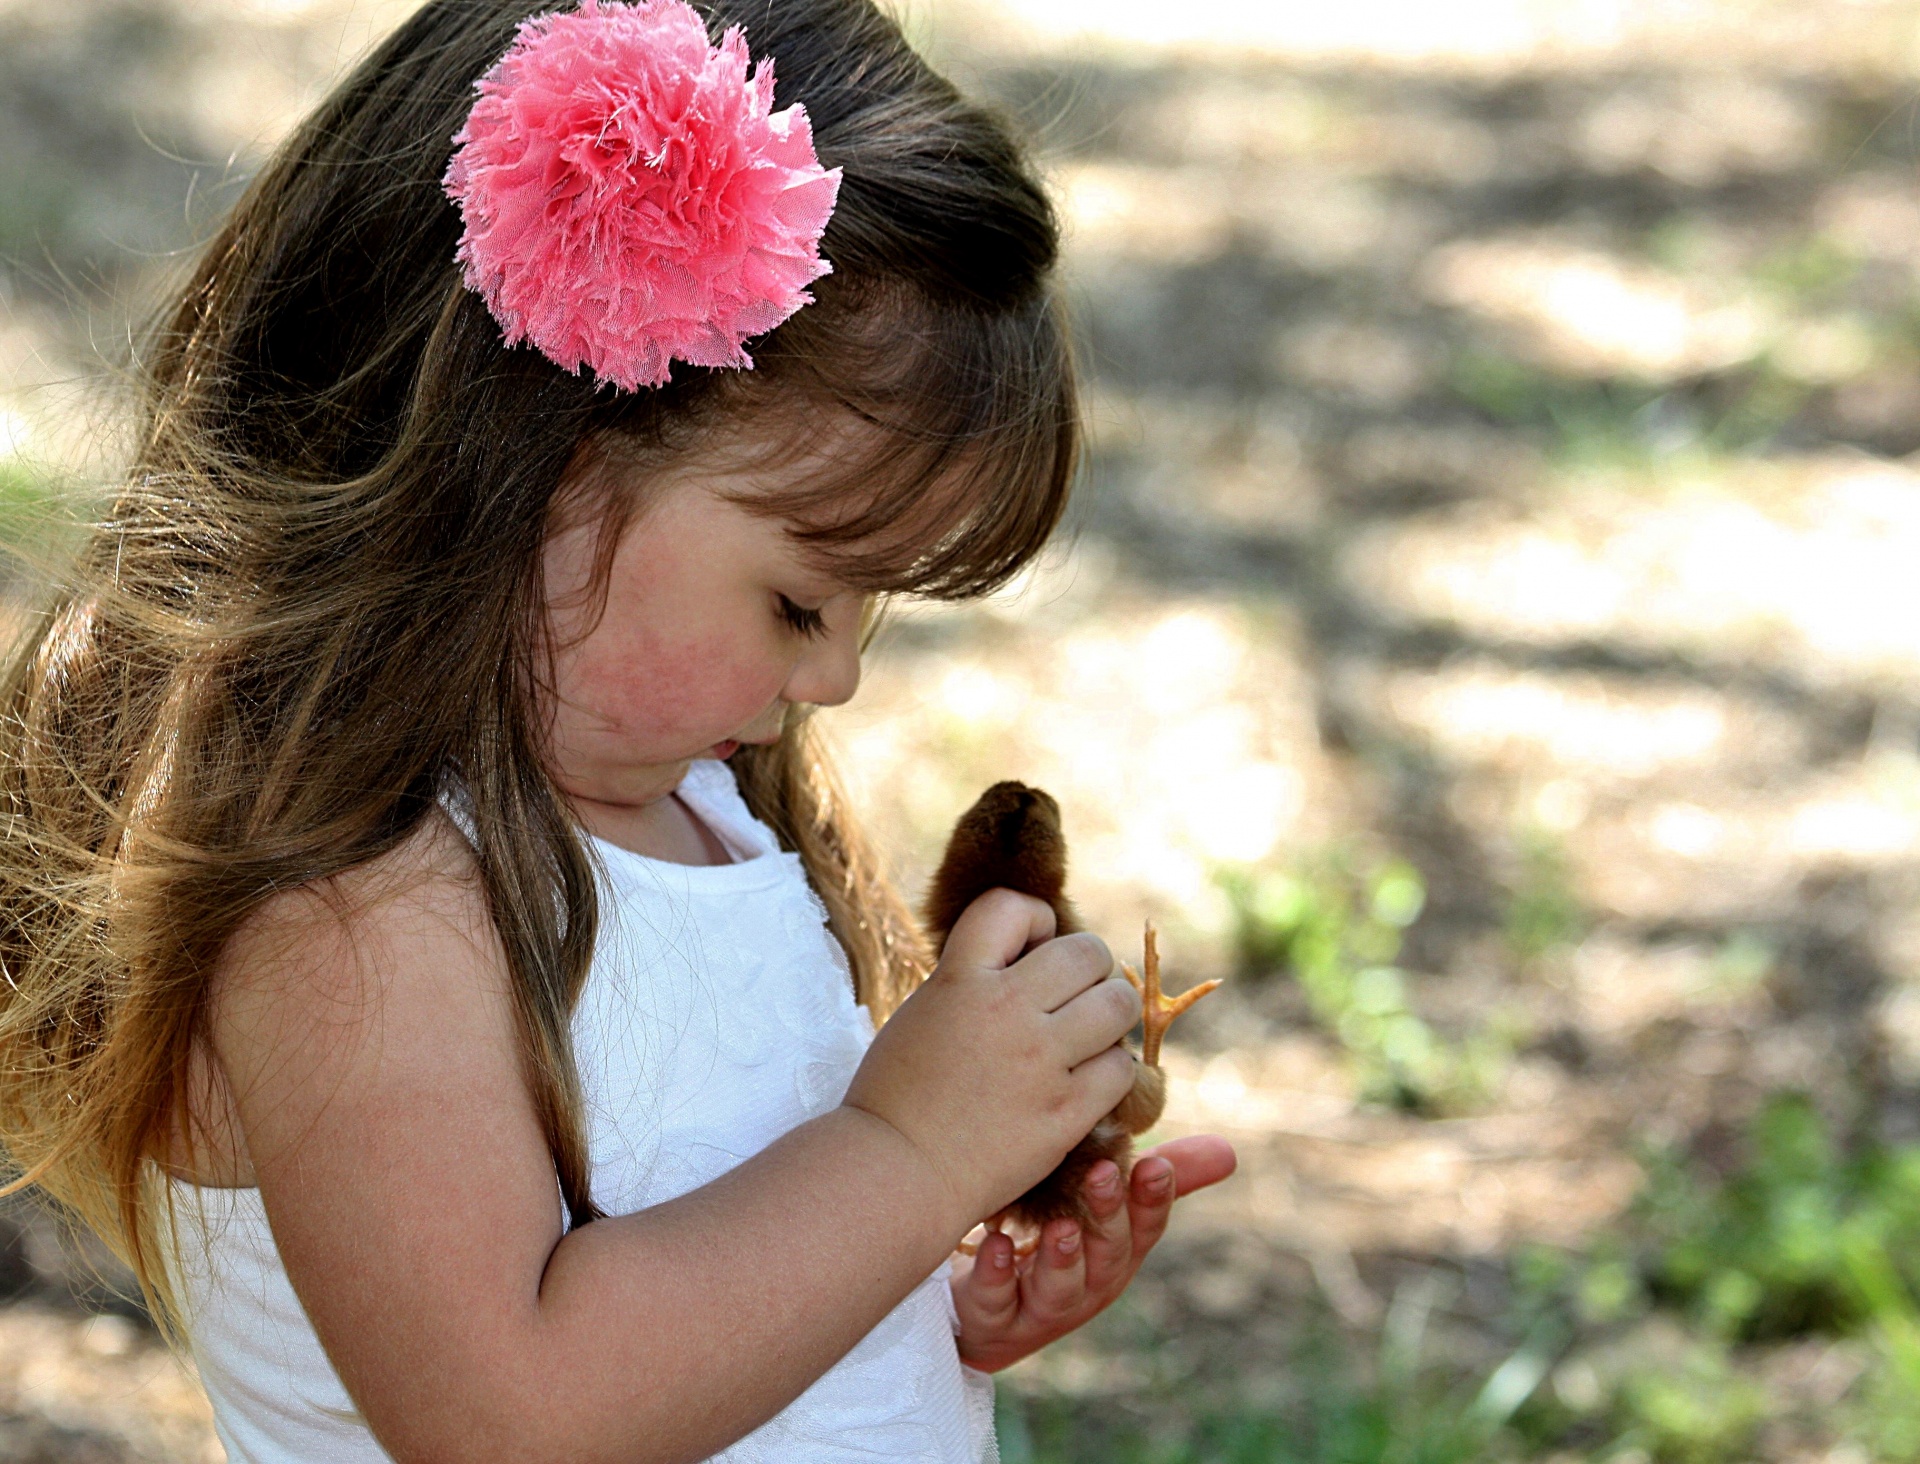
x=1011 y=839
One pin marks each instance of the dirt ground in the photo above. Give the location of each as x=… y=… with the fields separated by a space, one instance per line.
x=1502 y=461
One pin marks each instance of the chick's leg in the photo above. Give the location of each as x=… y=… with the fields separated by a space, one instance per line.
x=1158 y=1009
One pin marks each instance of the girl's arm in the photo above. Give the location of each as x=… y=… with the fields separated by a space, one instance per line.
x=366 y=1036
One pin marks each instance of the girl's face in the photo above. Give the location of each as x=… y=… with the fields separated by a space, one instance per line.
x=715 y=621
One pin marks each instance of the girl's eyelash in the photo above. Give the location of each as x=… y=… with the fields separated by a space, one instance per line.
x=800 y=618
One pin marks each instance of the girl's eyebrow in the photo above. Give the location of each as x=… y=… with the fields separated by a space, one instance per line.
x=822 y=567
x=820 y=590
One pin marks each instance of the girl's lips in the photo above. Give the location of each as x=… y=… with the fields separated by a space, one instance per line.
x=725 y=750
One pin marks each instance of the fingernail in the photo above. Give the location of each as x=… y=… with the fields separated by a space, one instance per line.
x=1002 y=1258
x=1104 y=1184
x=1069 y=1243
x=1160 y=1180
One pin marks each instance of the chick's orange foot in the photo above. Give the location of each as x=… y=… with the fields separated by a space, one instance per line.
x=1140 y=1110
x=1159 y=1009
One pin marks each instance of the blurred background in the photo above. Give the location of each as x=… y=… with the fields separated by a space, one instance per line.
x=1489 y=634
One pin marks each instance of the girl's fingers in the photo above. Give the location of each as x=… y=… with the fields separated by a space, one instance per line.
x=1167 y=1171
x=989 y=1298
x=1097 y=1018
x=1197 y=1161
x=1150 y=1198
x=1109 y=1240
x=1002 y=1292
x=996 y=928
x=1108 y=1077
x=1058 y=1280
x=1062 y=969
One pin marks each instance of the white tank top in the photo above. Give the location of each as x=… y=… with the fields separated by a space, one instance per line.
x=718 y=1015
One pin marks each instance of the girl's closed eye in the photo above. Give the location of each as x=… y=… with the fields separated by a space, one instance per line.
x=803 y=619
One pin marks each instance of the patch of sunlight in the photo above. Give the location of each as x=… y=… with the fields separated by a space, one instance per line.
x=1825 y=352
x=1734 y=847
x=1857 y=827
x=972 y=695
x=369 y=16
x=272 y=60
x=1218 y=1095
x=89 y=1374
x=1177 y=737
x=1378 y=29
x=1581 y=723
x=1688 y=830
x=1190 y=653
x=1224 y=118
x=1821 y=575
x=1873 y=214
x=1587 y=313
x=284 y=10
x=1714 y=128
x=1235 y=119
x=1316 y=217
x=1472 y=34
x=1561 y=805
x=16 y=434
x=1238 y=814
x=1624 y=985
x=1169 y=215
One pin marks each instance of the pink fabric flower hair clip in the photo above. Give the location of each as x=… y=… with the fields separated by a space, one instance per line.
x=631 y=199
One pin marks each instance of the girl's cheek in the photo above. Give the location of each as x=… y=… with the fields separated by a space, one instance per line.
x=692 y=688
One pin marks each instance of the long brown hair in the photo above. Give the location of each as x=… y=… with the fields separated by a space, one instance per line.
x=316 y=597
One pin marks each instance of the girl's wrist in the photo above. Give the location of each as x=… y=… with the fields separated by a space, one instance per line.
x=924 y=1185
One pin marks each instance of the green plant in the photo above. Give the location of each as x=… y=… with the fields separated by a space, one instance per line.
x=1589 y=423
x=1801 y=1237
x=1542 y=913
x=1625 y=423
x=1886 y=1408
x=1397 y=1407
x=1339 y=933
x=1809 y=270
x=1885 y=1415
x=1695 y=1409
x=1060 y=1431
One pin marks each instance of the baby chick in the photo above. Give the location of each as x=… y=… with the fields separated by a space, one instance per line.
x=1011 y=839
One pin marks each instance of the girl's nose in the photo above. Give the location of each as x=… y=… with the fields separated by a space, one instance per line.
x=828 y=671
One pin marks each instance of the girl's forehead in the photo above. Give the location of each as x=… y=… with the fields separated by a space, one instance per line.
x=877 y=508
x=857 y=503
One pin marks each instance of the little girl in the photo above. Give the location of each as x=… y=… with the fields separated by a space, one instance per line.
x=434 y=954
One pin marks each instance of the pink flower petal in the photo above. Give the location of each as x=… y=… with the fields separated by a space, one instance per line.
x=629 y=197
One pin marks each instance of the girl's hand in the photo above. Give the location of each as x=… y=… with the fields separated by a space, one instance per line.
x=1010 y=1308
x=1003 y=1059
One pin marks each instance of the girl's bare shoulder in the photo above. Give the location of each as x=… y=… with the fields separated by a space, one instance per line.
x=350 y=928
x=316 y=970
x=340 y=983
